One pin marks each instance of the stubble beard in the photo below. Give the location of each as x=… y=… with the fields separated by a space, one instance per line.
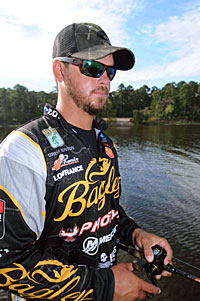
x=85 y=102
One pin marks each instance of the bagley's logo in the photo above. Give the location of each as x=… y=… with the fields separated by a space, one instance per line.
x=63 y=160
x=11 y=276
x=98 y=183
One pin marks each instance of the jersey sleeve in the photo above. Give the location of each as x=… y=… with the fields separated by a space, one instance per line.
x=26 y=270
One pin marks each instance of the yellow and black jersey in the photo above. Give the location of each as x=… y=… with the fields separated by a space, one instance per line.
x=60 y=218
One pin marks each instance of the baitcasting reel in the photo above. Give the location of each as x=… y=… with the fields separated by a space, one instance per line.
x=157 y=265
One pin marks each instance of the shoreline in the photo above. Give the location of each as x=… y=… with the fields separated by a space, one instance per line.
x=128 y=122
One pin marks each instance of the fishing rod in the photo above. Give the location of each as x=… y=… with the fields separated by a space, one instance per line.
x=157 y=266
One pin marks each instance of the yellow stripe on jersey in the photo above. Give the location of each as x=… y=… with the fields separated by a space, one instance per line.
x=43 y=214
x=12 y=297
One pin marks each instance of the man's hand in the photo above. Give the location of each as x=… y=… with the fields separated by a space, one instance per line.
x=128 y=286
x=145 y=241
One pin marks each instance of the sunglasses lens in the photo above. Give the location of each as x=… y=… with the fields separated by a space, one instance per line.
x=96 y=69
x=92 y=69
x=111 y=72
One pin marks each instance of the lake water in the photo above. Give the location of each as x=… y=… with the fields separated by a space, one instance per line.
x=160 y=170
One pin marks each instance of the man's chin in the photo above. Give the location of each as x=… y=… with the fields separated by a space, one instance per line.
x=95 y=106
x=91 y=110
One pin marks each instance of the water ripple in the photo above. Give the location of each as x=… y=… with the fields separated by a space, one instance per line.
x=161 y=190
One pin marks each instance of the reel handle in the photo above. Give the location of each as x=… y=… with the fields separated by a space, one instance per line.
x=139 y=265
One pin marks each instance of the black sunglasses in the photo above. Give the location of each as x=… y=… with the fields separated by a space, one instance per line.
x=90 y=68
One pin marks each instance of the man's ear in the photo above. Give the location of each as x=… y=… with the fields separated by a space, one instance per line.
x=58 y=70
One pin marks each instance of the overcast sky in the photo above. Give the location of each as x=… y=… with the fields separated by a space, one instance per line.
x=163 y=34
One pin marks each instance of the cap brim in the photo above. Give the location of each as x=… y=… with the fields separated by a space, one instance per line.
x=124 y=58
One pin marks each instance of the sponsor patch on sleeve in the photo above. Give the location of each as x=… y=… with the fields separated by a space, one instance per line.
x=109 y=152
x=2 y=218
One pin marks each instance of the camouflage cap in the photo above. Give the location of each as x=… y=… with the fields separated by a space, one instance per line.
x=89 y=41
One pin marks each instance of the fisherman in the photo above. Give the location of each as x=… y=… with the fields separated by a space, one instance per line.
x=60 y=218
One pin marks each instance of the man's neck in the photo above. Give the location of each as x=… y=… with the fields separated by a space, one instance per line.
x=74 y=115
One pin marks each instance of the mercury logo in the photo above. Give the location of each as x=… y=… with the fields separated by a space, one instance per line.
x=90 y=246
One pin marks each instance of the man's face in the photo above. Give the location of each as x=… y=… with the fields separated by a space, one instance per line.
x=88 y=93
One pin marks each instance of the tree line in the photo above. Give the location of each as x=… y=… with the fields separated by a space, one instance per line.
x=173 y=102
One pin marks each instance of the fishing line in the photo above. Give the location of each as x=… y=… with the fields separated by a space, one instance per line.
x=132 y=251
x=186 y=263
x=157 y=266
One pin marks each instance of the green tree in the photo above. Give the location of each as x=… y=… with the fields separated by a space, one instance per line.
x=189 y=101
x=42 y=99
x=172 y=102
x=138 y=116
x=156 y=104
x=169 y=100
x=3 y=105
x=142 y=98
x=34 y=110
x=19 y=103
x=108 y=110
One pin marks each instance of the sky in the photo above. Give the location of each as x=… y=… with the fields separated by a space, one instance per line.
x=164 y=35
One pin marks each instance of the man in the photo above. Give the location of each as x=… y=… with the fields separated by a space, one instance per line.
x=60 y=185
